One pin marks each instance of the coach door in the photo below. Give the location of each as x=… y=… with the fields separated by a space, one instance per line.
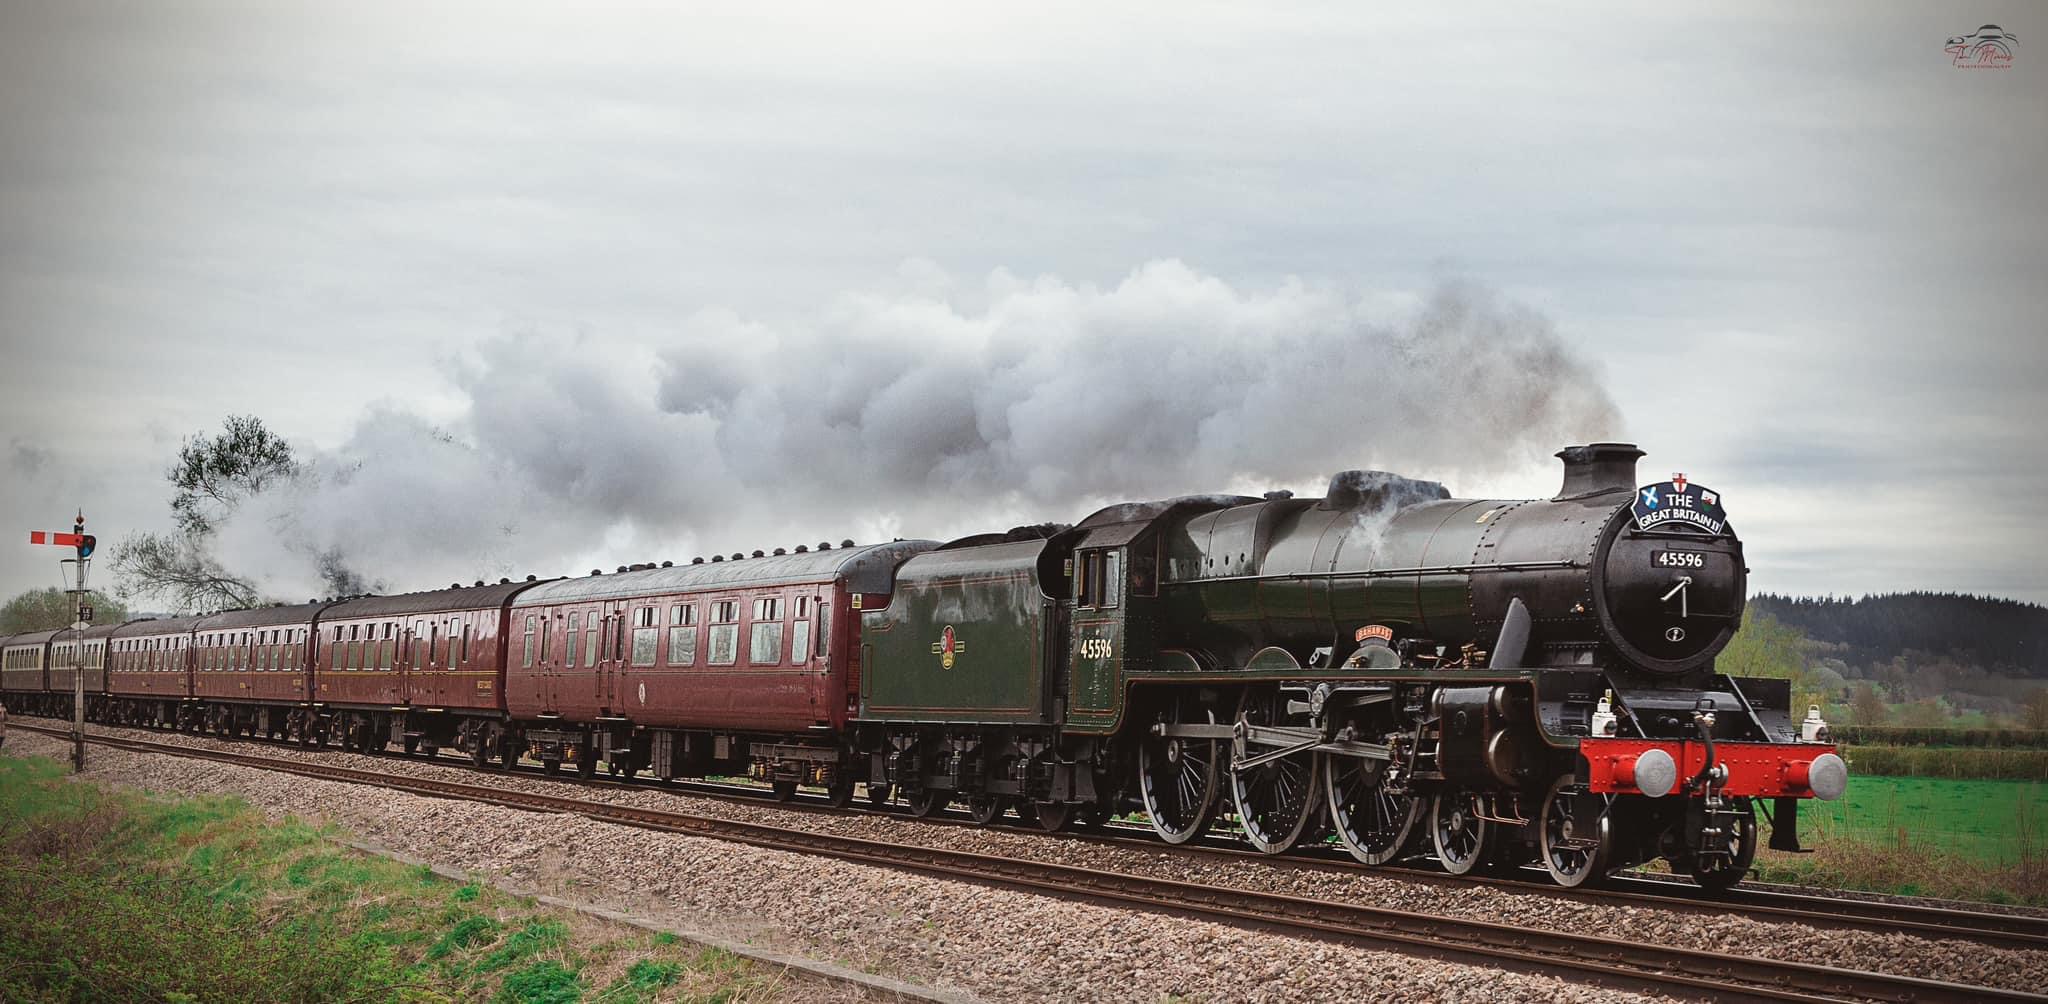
x=614 y=644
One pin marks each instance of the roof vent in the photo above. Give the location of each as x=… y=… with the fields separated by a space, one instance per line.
x=529 y=578
x=1598 y=467
x=698 y=560
x=479 y=582
x=504 y=582
x=597 y=571
x=455 y=585
x=824 y=545
x=802 y=549
x=623 y=568
x=737 y=556
x=668 y=564
x=779 y=552
x=716 y=558
x=758 y=554
x=1279 y=495
x=846 y=543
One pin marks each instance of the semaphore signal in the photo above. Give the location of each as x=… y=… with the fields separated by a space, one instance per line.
x=83 y=542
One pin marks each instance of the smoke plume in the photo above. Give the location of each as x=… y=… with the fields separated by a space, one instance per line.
x=919 y=412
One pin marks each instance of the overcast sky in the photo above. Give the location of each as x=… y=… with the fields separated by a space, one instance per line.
x=538 y=289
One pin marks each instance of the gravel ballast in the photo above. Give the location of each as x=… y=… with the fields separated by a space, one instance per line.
x=1952 y=960
x=994 y=943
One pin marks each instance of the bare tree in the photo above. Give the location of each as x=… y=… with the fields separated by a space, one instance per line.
x=215 y=473
x=178 y=571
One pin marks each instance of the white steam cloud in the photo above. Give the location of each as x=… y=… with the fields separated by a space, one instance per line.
x=928 y=412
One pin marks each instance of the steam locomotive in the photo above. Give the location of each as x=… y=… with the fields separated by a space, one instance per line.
x=1403 y=673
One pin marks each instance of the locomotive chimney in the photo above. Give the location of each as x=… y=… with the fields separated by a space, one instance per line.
x=1598 y=467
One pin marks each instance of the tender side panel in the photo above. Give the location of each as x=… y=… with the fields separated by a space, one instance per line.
x=962 y=640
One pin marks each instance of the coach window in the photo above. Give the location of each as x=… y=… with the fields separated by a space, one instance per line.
x=526 y=658
x=572 y=642
x=388 y=651
x=800 y=632
x=646 y=635
x=464 y=654
x=591 y=640
x=725 y=632
x=544 y=637
x=682 y=634
x=765 y=647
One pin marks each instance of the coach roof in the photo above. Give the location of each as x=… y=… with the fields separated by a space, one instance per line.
x=869 y=569
x=257 y=617
x=489 y=597
x=155 y=627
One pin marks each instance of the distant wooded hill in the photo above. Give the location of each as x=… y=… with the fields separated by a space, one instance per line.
x=1994 y=633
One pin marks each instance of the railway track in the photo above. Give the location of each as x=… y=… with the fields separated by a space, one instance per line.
x=1999 y=930
x=1601 y=961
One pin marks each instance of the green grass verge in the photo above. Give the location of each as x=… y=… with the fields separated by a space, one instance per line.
x=113 y=896
x=1948 y=762
x=1958 y=839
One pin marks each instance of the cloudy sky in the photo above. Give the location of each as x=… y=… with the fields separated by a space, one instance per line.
x=543 y=288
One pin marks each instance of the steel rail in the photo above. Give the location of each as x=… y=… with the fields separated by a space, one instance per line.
x=1603 y=961
x=2022 y=931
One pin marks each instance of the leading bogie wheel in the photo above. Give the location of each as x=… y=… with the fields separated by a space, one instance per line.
x=1278 y=798
x=1460 y=830
x=1575 y=837
x=1178 y=778
x=1372 y=823
x=1719 y=874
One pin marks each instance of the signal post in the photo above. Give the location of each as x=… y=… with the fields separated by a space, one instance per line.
x=83 y=542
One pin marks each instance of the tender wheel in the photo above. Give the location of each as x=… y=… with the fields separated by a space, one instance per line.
x=1462 y=835
x=878 y=795
x=785 y=790
x=840 y=792
x=1574 y=834
x=1276 y=799
x=986 y=809
x=1096 y=815
x=928 y=802
x=1374 y=824
x=1178 y=778
x=1052 y=817
x=1719 y=874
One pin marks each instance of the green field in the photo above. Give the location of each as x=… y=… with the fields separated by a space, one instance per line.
x=1995 y=821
